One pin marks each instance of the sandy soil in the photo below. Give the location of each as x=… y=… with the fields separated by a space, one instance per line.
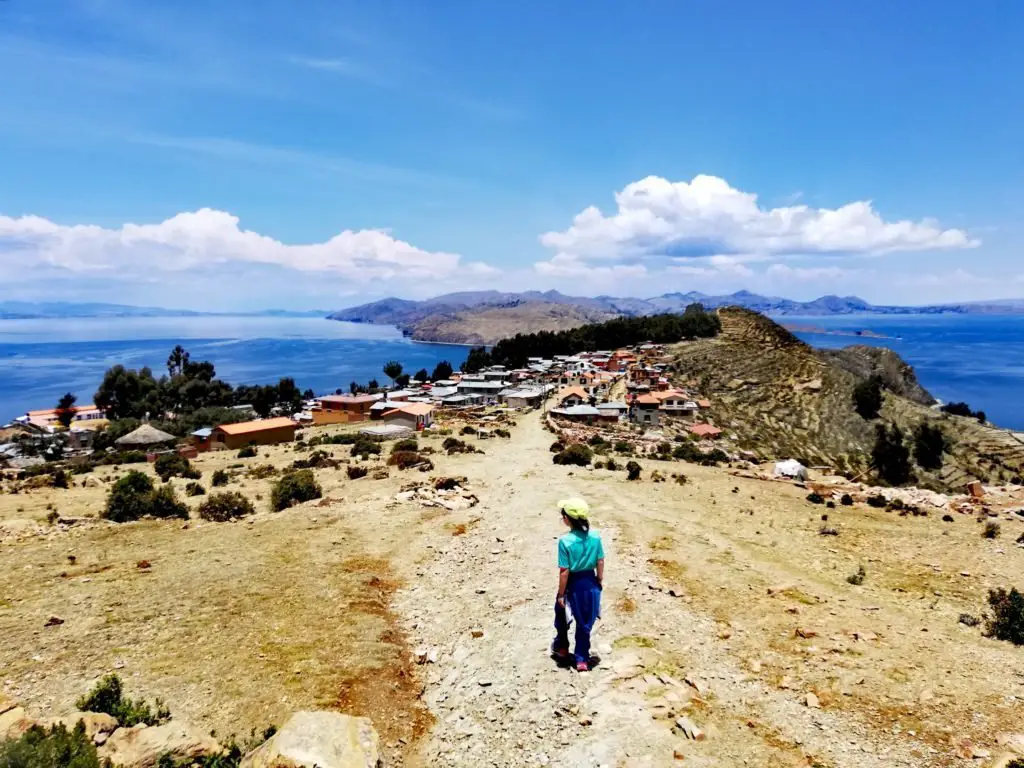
x=724 y=604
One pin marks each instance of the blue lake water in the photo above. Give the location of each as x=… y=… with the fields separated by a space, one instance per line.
x=42 y=359
x=975 y=358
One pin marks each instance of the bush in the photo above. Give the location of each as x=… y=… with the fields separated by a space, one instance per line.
x=295 y=488
x=846 y=500
x=224 y=506
x=54 y=748
x=262 y=471
x=408 y=444
x=930 y=445
x=633 y=471
x=454 y=445
x=171 y=465
x=343 y=438
x=596 y=440
x=611 y=465
x=890 y=457
x=877 y=500
x=968 y=620
x=556 y=447
x=502 y=433
x=316 y=460
x=867 y=397
x=947 y=518
x=194 y=489
x=248 y=452
x=992 y=530
x=815 y=498
x=857 y=578
x=124 y=457
x=133 y=497
x=365 y=445
x=107 y=697
x=406 y=459
x=355 y=471
x=1007 y=619
x=623 y=447
x=220 y=477
x=469 y=429
x=576 y=454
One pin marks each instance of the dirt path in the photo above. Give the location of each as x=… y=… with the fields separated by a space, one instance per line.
x=482 y=604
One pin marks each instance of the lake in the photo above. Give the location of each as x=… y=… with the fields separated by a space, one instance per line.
x=978 y=359
x=42 y=359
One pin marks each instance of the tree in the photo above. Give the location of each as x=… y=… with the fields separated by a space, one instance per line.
x=288 y=395
x=66 y=410
x=929 y=446
x=422 y=375
x=442 y=371
x=263 y=400
x=402 y=379
x=353 y=388
x=392 y=369
x=308 y=394
x=478 y=359
x=890 y=457
x=125 y=393
x=177 y=361
x=867 y=397
x=373 y=385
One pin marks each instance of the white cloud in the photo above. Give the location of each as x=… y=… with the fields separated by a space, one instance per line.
x=808 y=274
x=564 y=265
x=659 y=219
x=207 y=239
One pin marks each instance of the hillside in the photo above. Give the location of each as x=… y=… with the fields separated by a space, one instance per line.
x=783 y=399
x=487 y=325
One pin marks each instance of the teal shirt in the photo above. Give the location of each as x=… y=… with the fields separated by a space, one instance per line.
x=580 y=552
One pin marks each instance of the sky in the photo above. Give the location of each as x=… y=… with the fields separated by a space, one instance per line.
x=247 y=154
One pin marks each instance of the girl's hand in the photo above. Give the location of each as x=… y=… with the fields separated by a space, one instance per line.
x=560 y=600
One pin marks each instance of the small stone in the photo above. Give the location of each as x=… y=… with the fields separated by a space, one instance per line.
x=677 y=754
x=54 y=621
x=689 y=729
x=810 y=700
x=806 y=633
x=477 y=633
x=484 y=683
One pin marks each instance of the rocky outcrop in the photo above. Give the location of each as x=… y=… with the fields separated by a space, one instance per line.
x=321 y=739
x=142 y=746
x=896 y=374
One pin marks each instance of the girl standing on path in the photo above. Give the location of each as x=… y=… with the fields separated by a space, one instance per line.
x=580 y=577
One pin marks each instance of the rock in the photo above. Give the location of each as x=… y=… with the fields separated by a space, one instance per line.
x=54 y=621
x=689 y=729
x=142 y=746
x=677 y=754
x=810 y=700
x=13 y=723
x=806 y=633
x=6 y=703
x=1011 y=741
x=322 y=739
x=96 y=723
x=477 y=633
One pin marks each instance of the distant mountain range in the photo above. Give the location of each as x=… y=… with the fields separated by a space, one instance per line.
x=29 y=310
x=456 y=317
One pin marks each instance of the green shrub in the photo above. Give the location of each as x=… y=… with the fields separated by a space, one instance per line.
x=930 y=445
x=557 y=447
x=248 y=452
x=342 y=438
x=502 y=433
x=633 y=471
x=408 y=444
x=846 y=500
x=220 y=477
x=867 y=397
x=54 y=748
x=407 y=459
x=469 y=429
x=611 y=464
x=107 y=697
x=596 y=440
x=194 y=489
x=294 y=488
x=316 y=460
x=857 y=578
x=364 y=445
x=355 y=471
x=992 y=530
x=877 y=500
x=1007 y=619
x=890 y=456
x=133 y=497
x=454 y=445
x=262 y=471
x=170 y=465
x=226 y=505
x=576 y=454
x=623 y=447
x=815 y=498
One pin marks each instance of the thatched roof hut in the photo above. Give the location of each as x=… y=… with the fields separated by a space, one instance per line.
x=144 y=436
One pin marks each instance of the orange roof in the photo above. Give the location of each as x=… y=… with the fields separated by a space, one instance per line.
x=262 y=425
x=53 y=411
x=416 y=409
x=354 y=399
x=705 y=430
x=647 y=400
x=704 y=403
x=578 y=391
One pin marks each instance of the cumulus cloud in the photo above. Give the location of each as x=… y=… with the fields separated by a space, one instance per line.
x=206 y=239
x=660 y=219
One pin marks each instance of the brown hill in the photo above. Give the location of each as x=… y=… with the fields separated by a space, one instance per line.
x=487 y=325
x=783 y=399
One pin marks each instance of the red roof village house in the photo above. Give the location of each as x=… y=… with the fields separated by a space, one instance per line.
x=261 y=432
x=644 y=410
x=571 y=396
x=705 y=431
x=343 y=409
x=413 y=415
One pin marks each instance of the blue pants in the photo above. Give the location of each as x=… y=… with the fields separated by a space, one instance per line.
x=583 y=596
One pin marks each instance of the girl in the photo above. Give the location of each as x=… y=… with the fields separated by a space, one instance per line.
x=580 y=577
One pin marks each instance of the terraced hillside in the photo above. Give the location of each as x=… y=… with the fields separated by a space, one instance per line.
x=782 y=399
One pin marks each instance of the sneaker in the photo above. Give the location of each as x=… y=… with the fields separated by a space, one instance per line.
x=582 y=666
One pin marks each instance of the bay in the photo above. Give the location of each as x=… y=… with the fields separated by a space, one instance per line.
x=978 y=359
x=42 y=359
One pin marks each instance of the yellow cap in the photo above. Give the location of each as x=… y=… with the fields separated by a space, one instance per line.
x=577 y=509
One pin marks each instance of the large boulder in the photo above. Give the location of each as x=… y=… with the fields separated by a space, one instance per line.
x=321 y=739
x=142 y=746
x=13 y=723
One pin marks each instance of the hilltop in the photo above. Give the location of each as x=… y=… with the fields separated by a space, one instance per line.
x=486 y=316
x=782 y=399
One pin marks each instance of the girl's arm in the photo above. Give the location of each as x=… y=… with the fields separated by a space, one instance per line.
x=600 y=572
x=563 y=582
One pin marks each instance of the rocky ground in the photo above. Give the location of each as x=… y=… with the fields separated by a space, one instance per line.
x=729 y=636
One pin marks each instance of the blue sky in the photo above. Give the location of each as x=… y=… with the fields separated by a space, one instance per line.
x=245 y=154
